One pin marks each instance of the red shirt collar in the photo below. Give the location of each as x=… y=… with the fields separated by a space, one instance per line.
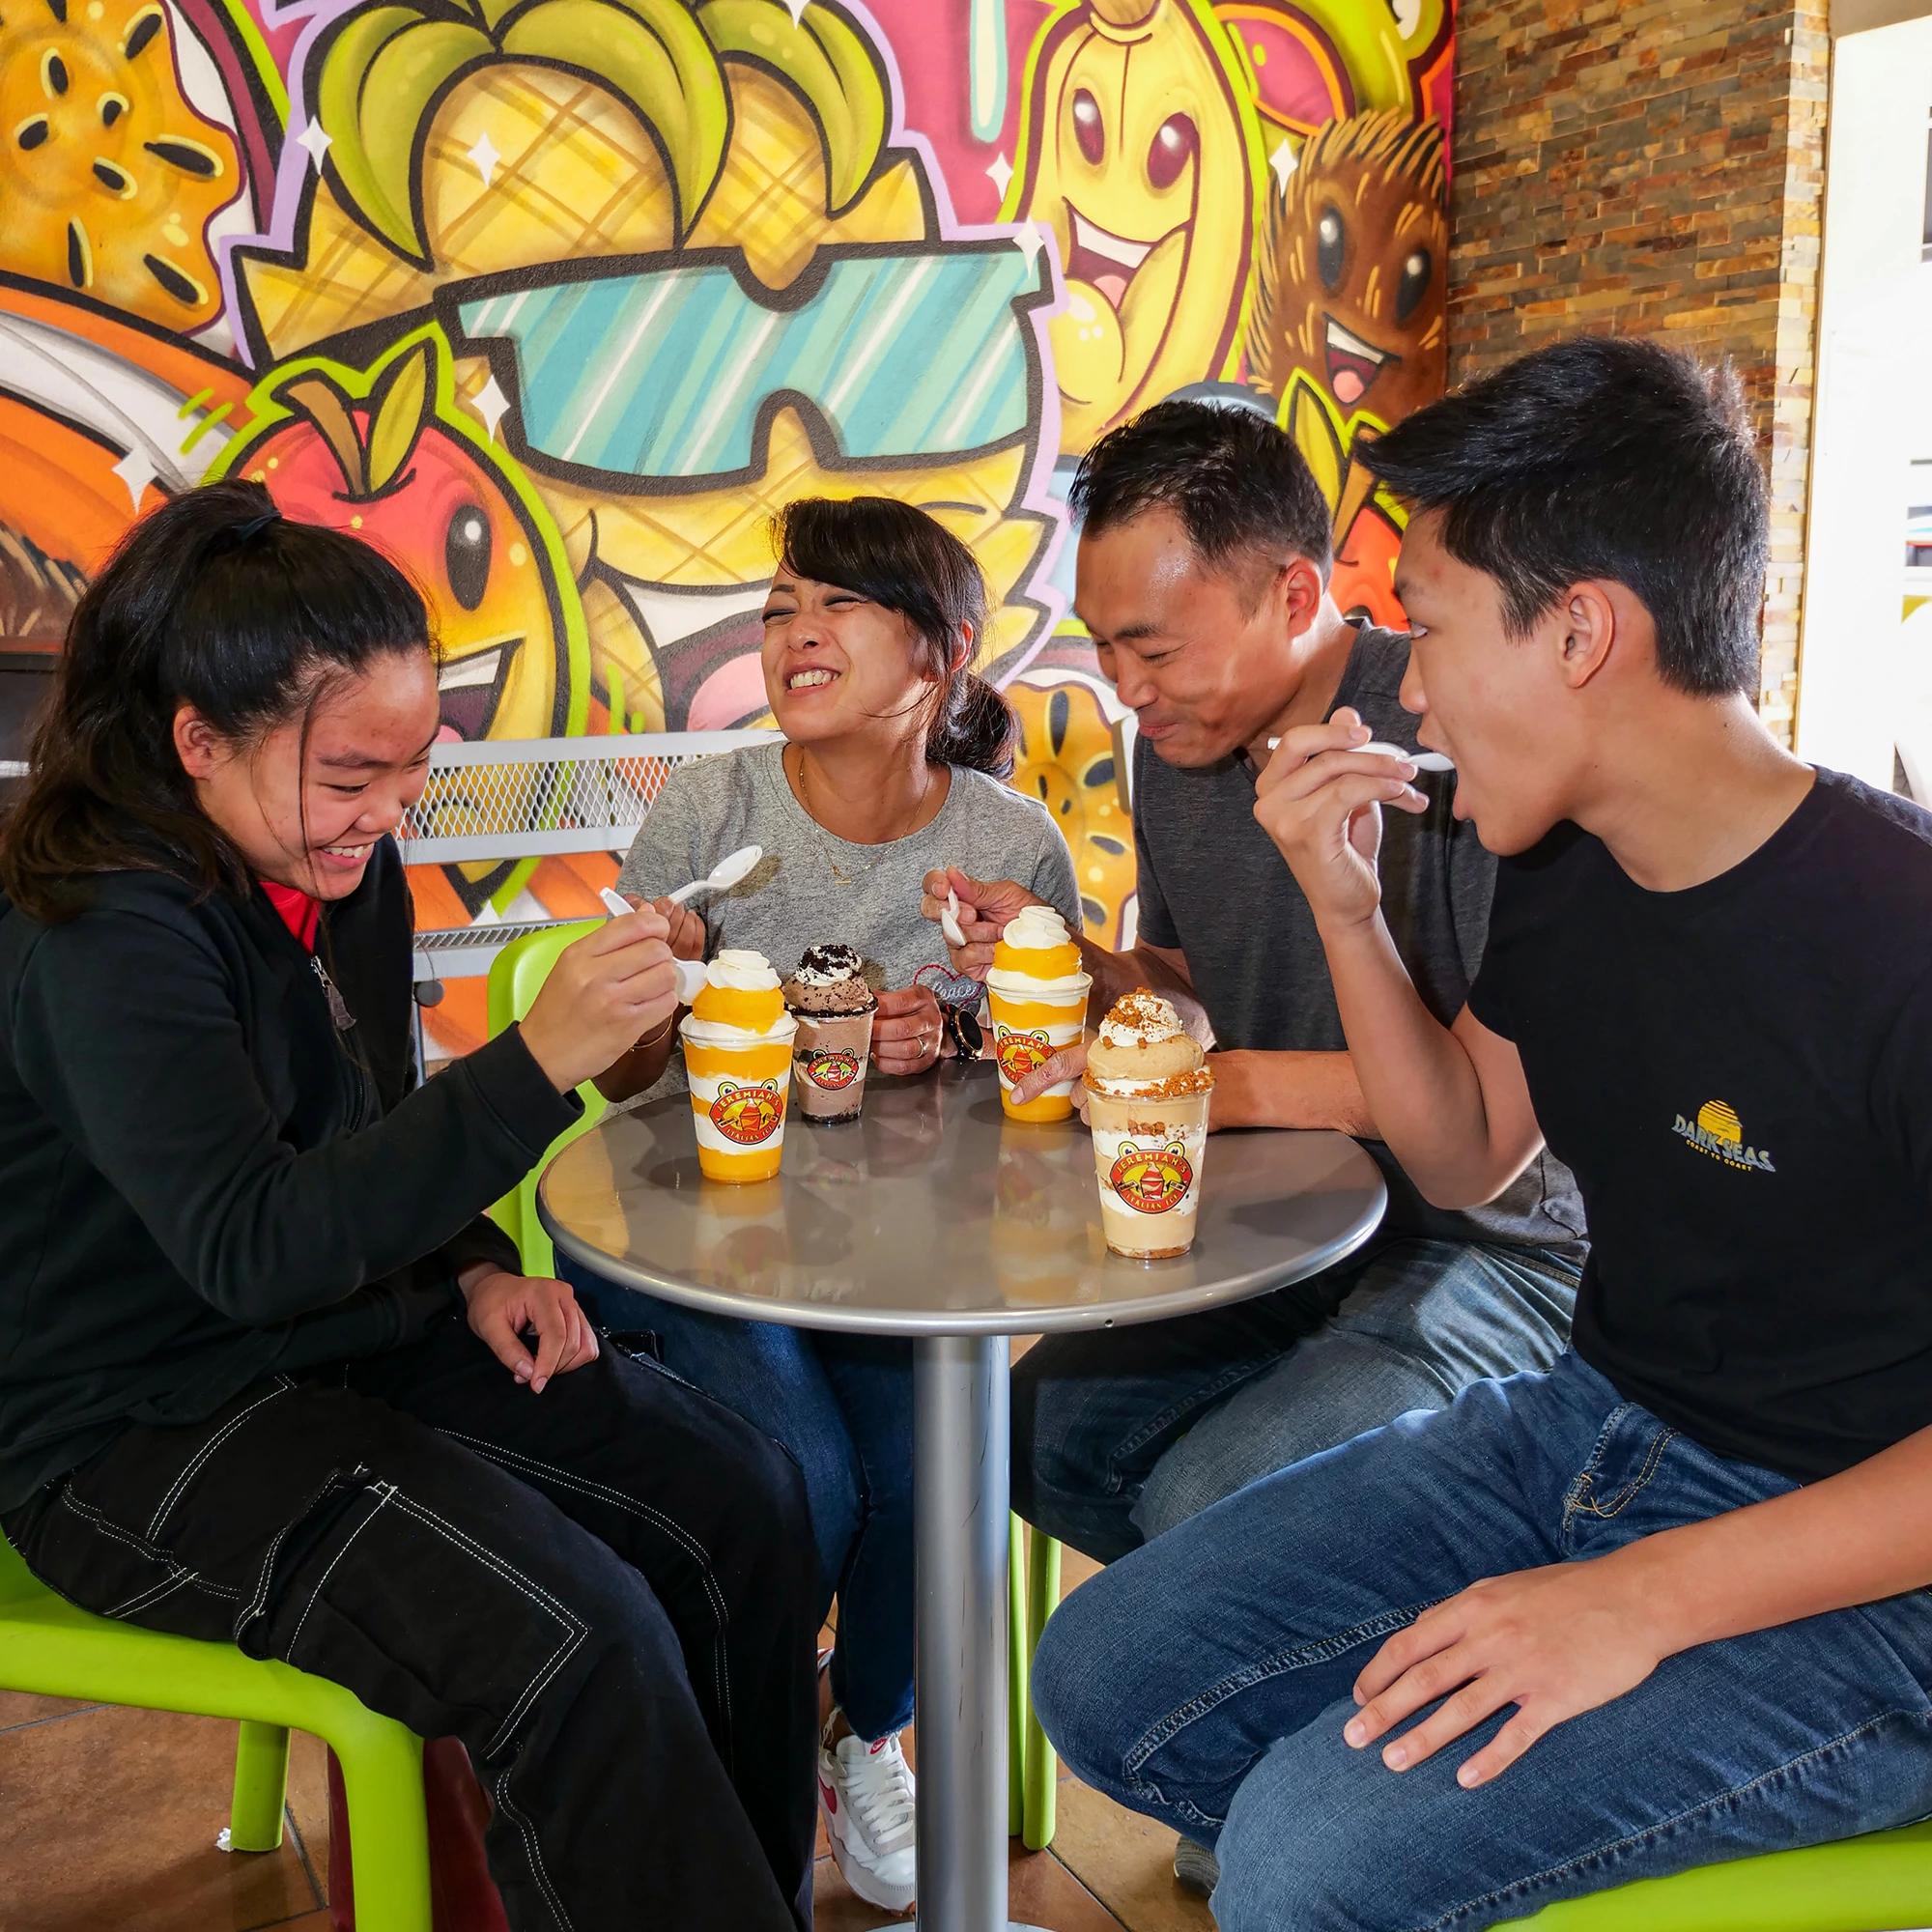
x=300 y=912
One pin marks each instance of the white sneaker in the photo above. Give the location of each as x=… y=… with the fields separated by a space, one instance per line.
x=866 y=1796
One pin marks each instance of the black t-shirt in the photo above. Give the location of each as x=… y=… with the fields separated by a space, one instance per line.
x=1213 y=887
x=1740 y=1075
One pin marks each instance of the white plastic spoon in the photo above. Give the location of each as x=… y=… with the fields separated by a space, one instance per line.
x=1423 y=761
x=724 y=875
x=949 y=921
x=690 y=971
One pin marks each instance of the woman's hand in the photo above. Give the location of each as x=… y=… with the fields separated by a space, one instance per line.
x=985 y=906
x=908 y=1034
x=504 y=1307
x=606 y=992
x=688 y=936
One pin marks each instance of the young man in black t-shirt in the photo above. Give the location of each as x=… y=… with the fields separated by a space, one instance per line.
x=1667 y=1602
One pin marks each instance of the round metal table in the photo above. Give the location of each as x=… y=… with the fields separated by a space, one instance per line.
x=936 y=1218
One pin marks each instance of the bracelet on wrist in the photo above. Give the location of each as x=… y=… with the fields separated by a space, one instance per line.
x=652 y=1038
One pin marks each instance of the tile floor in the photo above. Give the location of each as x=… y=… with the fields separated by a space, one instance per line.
x=108 y=1819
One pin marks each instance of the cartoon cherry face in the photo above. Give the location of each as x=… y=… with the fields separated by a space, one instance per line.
x=392 y=469
x=1020 y=1053
x=1151 y=1181
x=748 y=1115
x=831 y=1071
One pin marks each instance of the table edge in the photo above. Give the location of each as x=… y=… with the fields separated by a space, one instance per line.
x=839 y=1318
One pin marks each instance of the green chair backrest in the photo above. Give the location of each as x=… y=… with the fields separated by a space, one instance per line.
x=517 y=975
x=17 y=1582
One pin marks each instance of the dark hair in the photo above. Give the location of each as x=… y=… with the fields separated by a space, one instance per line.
x=1610 y=458
x=1236 y=481
x=213 y=600
x=906 y=561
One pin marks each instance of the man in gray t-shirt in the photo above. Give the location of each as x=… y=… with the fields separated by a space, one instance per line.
x=1203 y=579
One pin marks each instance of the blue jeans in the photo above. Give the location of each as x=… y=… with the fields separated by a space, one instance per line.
x=1120 y=1434
x=842 y=1405
x=1204 y=1679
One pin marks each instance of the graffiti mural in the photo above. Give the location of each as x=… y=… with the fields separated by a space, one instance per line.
x=559 y=299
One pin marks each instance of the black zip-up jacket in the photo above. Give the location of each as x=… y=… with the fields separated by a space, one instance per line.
x=211 y=1171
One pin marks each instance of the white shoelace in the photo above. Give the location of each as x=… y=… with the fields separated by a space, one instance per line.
x=880 y=1786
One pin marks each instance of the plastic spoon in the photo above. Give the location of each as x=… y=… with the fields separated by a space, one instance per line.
x=724 y=875
x=1423 y=761
x=949 y=921
x=690 y=971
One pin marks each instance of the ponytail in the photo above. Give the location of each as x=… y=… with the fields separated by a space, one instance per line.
x=976 y=728
x=215 y=601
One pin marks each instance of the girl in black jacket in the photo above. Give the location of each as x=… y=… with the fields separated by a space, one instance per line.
x=267 y=1374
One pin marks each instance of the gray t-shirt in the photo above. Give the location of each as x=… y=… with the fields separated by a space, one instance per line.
x=1214 y=886
x=794 y=898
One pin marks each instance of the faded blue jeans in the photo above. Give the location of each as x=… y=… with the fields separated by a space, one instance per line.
x=842 y=1405
x=1120 y=1434
x=1204 y=1679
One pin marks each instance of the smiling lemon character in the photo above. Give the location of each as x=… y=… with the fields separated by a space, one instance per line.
x=1140 y=154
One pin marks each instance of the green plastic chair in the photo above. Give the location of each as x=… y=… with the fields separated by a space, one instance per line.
x=1879 y=1883
x=50 y=1649
x=1033 y=1770
x=516 y=977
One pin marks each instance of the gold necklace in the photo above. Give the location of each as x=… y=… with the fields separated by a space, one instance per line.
x=840 y=875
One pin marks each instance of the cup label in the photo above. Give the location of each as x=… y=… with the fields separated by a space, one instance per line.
x=832 y=1069
x=748 y=1115
x=1020 y=1053
x=1152 y=1180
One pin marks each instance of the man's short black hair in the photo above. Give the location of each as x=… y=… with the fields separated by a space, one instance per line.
x=1238 y=484
x=1610 y=458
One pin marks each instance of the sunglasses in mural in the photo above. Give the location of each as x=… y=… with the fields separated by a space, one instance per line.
x=663 y=375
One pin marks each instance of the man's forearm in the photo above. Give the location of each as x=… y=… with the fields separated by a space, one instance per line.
x=1854 y=1538
x=1289 y=1090
x=1417 y=1082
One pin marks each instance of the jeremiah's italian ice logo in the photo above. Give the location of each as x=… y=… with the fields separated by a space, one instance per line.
x=832 y=1069
x=1718 y=1132
x=746 y=1114
x=1151 y=1181
x=1020 y=1053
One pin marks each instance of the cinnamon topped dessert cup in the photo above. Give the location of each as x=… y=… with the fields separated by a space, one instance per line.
x=737 y=1057
x=1036 y=997
x=833 y=1007
x=1148 y=1093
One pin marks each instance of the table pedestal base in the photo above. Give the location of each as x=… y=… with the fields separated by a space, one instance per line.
x=962 y=1495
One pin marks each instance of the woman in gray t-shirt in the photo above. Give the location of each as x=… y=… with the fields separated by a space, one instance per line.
x=813 y=886
x=892 y=767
